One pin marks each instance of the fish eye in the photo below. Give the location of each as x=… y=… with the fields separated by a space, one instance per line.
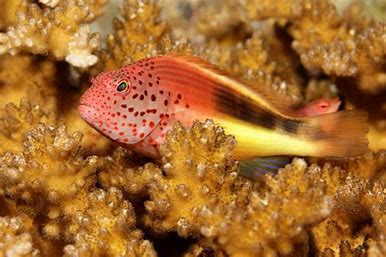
x=122 y=86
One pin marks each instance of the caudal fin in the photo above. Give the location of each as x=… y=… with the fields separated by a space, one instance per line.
x=342 y=133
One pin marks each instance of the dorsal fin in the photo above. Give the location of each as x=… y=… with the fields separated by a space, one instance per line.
x=262 y=91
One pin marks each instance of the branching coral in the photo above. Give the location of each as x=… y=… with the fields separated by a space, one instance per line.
x=52 y=182
x=224 y=208
x=217 y=208
x=24 y=76
x=140 y=34
x=15 y=237
x=346 y=231
x=16 y=121
x=60 y=31
x=326 y=41
x=204 y=152
x=121 y=170
x=106 y=218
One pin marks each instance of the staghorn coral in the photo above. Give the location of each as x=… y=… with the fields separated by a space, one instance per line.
x=59 y=29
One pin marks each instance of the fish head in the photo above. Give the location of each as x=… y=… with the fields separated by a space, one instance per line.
x=121 y=104
x=321 y=106
x=327 y=105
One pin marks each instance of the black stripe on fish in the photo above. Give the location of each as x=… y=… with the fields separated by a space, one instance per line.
x=290 y=126
x=244 y=109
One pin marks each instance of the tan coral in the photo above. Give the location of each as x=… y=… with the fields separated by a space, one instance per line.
x=106 y=228
x=140 y=34
x=25 y=76
x=218 y=209
x=15 y=237
x=194 y=162
x=347 y=230
x=53 y=181
x=60 y=32
x=121 y=171
x=16 y=121
x=30 y=175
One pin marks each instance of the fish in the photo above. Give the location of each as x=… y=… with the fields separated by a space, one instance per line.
x=319 y=107
x=256 y=168
x=137 y=104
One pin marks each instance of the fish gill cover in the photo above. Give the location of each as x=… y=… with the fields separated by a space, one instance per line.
x=65 y=190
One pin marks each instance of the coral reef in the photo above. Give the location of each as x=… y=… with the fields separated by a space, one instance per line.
x=59 y=29
x=67 y=191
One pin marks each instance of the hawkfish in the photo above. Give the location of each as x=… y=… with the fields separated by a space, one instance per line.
x=137 y=104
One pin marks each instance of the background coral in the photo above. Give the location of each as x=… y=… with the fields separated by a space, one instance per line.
x=76 y=194
x=58 y=29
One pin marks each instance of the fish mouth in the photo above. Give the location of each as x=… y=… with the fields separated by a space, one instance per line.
x=88 y=113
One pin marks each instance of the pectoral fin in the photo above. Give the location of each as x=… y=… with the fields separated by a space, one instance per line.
x=260 y=166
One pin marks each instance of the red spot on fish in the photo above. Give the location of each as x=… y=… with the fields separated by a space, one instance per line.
x=124 y=106
x=121 y=133
x=153 y=98
x=151 y=124
x=125 y=140
x=142 y=135
x=151 y=110
x=166 y=102
x=131 y=109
